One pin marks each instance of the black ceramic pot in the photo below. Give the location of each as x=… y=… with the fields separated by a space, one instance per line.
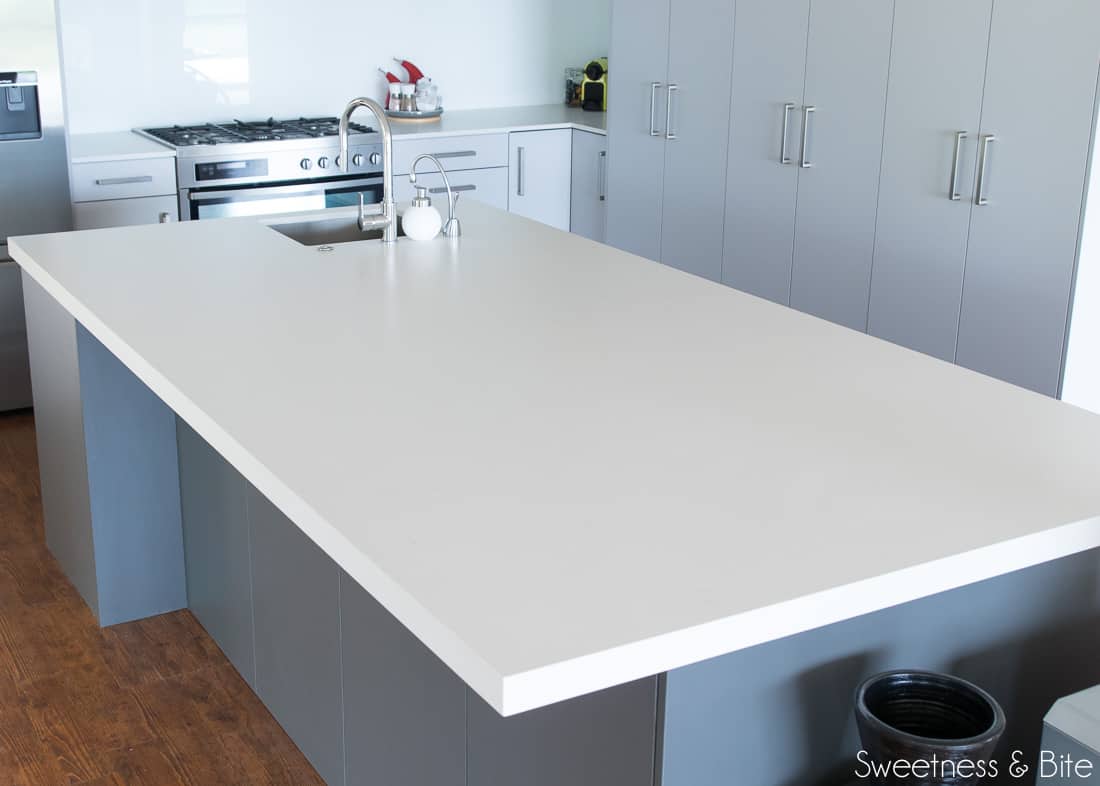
x=920 y=716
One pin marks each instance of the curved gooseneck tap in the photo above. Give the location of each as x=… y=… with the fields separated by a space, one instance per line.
x=452 y=228
x=387 y=221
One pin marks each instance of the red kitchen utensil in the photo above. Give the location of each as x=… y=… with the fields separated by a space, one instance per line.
x=415 y=74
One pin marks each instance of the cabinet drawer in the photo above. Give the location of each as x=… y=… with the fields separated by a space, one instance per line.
x=124 y=179
x=485 y=185
x=454 y=152
x=124 y=212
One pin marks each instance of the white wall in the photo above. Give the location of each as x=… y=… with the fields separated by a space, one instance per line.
x=140 y=63
x=1081 y=385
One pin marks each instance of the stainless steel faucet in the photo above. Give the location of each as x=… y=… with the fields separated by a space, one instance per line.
x=387 y=220
x=452 y=228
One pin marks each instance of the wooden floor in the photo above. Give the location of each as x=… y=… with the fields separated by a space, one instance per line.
x=149 y=702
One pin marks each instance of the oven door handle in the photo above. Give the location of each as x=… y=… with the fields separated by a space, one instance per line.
x=260 y=191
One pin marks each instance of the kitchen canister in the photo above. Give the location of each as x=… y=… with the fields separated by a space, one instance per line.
x=920 y=728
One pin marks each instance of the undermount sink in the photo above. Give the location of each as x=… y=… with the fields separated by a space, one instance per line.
x=329 y=231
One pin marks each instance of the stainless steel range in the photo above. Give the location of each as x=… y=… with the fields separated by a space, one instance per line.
x=270 y=166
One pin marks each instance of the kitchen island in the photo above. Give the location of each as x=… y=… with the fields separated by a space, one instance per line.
x=420 y=488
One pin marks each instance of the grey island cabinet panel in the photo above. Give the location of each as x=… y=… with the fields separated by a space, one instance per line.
x=769 y=60
x=404 y=710
x=216 y=548
x=296 y=591
x=635 y=125
x=847 y=67
x=600 y=739
x=696 y=119
x=937 y=75
x=1036 y=124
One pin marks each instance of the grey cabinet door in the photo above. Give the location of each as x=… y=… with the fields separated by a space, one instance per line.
x=769 y=61
x=1039 y=103
x=847 y=66
x=636 y=162
x=404 y=710
x=216 y=548
x=937 y=74
x=588 y=186
x=15 y=368
x=697 y=110
x=297 y=618
x=604 y=738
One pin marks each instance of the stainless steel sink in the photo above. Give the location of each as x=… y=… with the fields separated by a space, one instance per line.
x=329 y=231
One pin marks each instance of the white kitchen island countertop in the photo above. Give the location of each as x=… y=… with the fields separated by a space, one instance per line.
x=564 y=467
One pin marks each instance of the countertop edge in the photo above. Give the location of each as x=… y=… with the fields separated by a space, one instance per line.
x=540 y=687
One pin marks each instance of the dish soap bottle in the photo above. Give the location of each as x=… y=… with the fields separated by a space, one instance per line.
x=421 y=221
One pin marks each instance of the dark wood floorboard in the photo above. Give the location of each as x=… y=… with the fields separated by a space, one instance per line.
x=149 y=702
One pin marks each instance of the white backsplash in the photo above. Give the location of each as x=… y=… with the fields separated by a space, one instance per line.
x=140 y=63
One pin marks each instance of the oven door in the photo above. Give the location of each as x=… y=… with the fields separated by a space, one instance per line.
x=261 y=200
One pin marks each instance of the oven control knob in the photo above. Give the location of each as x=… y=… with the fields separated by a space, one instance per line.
x=323 y=162
x=306 y=164
x=376 y=158
x=357 y=159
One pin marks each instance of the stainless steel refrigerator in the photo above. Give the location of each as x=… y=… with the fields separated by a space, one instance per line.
x=34 y=168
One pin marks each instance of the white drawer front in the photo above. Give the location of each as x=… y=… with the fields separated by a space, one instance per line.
x=124 y=212
x=124 y=179
x=455 y=152
x=485 y=185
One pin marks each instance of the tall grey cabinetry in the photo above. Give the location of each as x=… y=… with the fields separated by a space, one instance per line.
x=805 y=137
x=987 y=143
x=667 y=130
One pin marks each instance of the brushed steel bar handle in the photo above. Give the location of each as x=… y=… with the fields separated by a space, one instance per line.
x=986 y=140
x=456 y=154
x=601 y=176
x=953 y=190
x=454 y=189
x=784 y=154
x=520 y=165
x=653 y=88
x=669 y=133
x=123 y=181
x=807 y=114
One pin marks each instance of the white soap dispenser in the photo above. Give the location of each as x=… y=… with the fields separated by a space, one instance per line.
x=421 y=221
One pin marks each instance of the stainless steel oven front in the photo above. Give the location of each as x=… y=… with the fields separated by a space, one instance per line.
x=277 y=176
x=257 y=199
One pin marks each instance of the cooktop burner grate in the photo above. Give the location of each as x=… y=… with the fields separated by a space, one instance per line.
x=238 y=132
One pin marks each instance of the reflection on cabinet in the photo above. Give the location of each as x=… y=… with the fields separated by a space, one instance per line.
x=668 y=131
x=539 y=172
x=588 y=186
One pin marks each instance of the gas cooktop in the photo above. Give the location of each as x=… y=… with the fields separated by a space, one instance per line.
x=238 y=132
